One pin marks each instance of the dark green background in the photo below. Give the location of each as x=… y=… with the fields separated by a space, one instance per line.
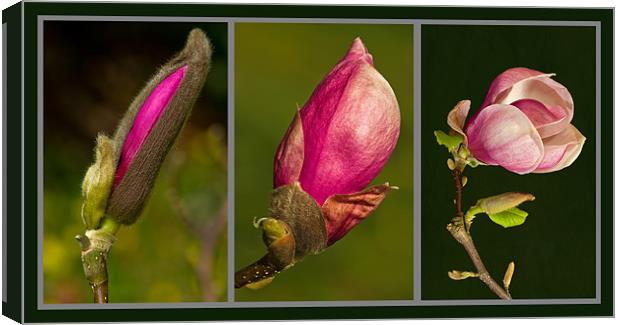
x=554 y=251
x=277 y=66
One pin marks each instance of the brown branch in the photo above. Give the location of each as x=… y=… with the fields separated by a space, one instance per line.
x=255 y=272
x=457 y=229
x=458 y=183
x=100 y=293
x=94 y=263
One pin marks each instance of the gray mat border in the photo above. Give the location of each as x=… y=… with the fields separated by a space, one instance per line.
x=417 y=166
x=231 y=162
x=416 y=301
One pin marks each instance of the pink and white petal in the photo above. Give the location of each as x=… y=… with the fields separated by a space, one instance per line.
x=506 y=80
x=457 y=117
x=503 y=135
x=343 y=212
x=548 y=120
x=316 y=117
x=289 y=157
x=358 y=51
x=549 y=93
x=347 y=145
x=561 y=150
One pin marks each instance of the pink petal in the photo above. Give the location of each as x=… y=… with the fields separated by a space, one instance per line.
x=518 y=84
x=351 y=124
x=505 y=81
x=458 y=115
x=557 y=103
x=145 y=119
x=343 y=212
x=358 y=51
x=561 y=150
x=290 y=155
x=503 y=135
x=546 y=119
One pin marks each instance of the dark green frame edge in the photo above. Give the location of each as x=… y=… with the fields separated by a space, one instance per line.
x=12 y=307
x=32 y=10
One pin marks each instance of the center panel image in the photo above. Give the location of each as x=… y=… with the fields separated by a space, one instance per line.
x=324 y=162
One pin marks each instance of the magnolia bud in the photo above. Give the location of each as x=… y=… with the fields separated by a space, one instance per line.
x=152 y=123
x=503 y=202
x=510 y=270
x=340 y=140
x=335 y=146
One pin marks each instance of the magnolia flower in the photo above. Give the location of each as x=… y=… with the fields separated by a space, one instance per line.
x=336 y=144
x=340 y=140
x=127 y=165
x=523 y=124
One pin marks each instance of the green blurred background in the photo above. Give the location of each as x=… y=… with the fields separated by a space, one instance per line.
x=554 y=250
x=277 y=66
x=177 y=250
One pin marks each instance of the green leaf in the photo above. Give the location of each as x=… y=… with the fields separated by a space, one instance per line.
x=509 y=218
x=449 y=141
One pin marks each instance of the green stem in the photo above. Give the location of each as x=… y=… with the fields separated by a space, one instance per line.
x=95 y=246
x=109 y=225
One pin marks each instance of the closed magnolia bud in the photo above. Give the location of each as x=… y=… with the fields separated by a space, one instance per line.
x=503 y=202
x=97 y=182
x=510 y=270
x=340 y=140
x=336 y=144
x=152 y=123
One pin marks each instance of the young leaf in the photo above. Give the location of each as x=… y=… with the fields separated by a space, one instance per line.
x=509 y=218
x=449 y=141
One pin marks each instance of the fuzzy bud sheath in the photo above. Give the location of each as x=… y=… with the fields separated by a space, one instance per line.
x=118 y=184
x=335 y=146
x=152 y=123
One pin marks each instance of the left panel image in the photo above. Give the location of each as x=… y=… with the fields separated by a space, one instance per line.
x=134 y=118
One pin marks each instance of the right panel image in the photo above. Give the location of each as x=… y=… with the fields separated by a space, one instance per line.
x=509 y=168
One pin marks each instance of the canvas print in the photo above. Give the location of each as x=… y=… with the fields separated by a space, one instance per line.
x=198 y=162
x=135 y=162
x=324 y=114
x=508 y=187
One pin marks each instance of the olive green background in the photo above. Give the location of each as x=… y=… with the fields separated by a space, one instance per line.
x=92 y=71
x=554 y=250
x=277 y=66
